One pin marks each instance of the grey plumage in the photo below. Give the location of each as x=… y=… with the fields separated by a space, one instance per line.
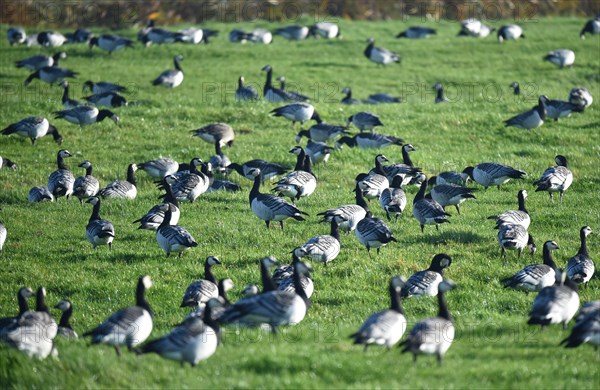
x=60 y=182
x=99 y=231
x=493 y=174
x=515 y=217
x=88 y=185
x=426 y=282
x=535 y=277
x=200 y=291
x=555 y=304
x=428 y=211
x=122 y=188
x=555 y=179
x=515 y=237
x=580 y=268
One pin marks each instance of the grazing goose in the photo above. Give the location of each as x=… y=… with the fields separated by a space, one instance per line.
x=60 y=182
x=102 y=87
x=385 y=327
x=297 y=112
x=428 y=211
x=293 y=33
x=107 y=99
x=270 y=207
x=155 y=216
x=51 y=39
x=219 y=161
x=125 y=189
x=373 y=183
x=325 y=247
x=39 y=194
x=173 y=238
x=321 y=132
x=515 y=237
x=192 y=35
x=348 y=216
x=260 y=35
x=516 y=88
x=580 y=97
x=23 y=294
x=382 y=98
x=188 y=186
x=592 y=27
x=38 y=62
x=426 y=282
x=295 y=95
x=200 y=291
x=561 y=58
x=369 y=141
x=393 y=199
x=417 y=32
x=299 y=183
x=555 y=179
x=3 y=234
x=99 y=231
x=510 y=31
x=407 y=169
x=33 y=127
x=273 y=308
x=493 y=174
x=587 y=308
x=557 y=109
x=535 y=277
x=318 y=152
x=16 y=35
x=216 y=133
x=364 y=121
x=110 y=43
x=160 y=167
x=268 y=170
x=245 y=92
x=159 y=36
x=50 y=75
x=224 y=185
x=268 y=283
x=283 y=276
x=326 y=30
x=451 y=195
x=348 y=99
x=474 y=28
x=587 y=330
x=84 y=115
x=129 y=326
x=81 y=35
x=373 y=233
x=276 y=95
x=449 y=177
x=5 y=163
x=86 y=186
x=555 y=304
x=580 y=267
x=515 y=217
x=66 y=101
x=173 y=77
x=64 y=326
x=380 y=55
x=439 y=96
x=237 y=35
x=434 y=335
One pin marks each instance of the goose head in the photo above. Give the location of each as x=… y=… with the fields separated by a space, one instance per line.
x=266 y=68
x=250 y=290
x=93 y=200
x=213 y=260
x=63 y=305
x=85 y=164
x=63 y=153
x=561 y=161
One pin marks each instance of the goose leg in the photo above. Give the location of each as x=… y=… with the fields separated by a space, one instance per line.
x=457 y=209
x=422 y=228
x=281 y=224
x=520 y=252
x=439 y=359
x=268 y=223
x=118 y=350
x=502 y=253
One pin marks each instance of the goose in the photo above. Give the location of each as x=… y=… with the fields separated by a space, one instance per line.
x=380 y=55
x=434 y=335
x=493 y=174
x=173 y=238
x=373 y=183
x=64 y=327
x=155 y=216
x=449 y=177
x=260 y=35
x=318 y=152
x=321 y=132
x=125 y=189
x=219 y=162
x=296 y=96
x=515 y=237
x=580 y=268
x=276 y=95
x=324 y=247
x=406 y=169
x=426 y=282
x=23 y=295
x=510 y=31
x=592 y=27
x=6 y=163
x=224 y=285
x=66 y=101
x=159 y=36
x=40 y=194
x=81 y=35
x=84 y=115
x=586 y=330
x=515 y=217
x=60 y=182
x=299 y=183
x=200 y=291
x=417 y=32
x=368 y=141
x=535 y=277
x=580 y=97
x=188 y=186
x=99 y=231
x=348 y=99
x=38 y=62
x=385 y=327
x=451 y=195
x=383 y=98
x=587 y=308
x=373 y=233
x=516 y=88
x=428 y=211
x=160 y=167
x=107 y=99
x=555 y=179
x=268 y=170
x=51 y=39
x=224 y=185
x=250 y=290
x=268 y=283
x=474 y=28
x=297 y=112
x=129 y=326
x=50 y=75
x=102 y=87
x=86 y=186
x=110 y=43
x=393 y=198
x=439 y=96
x=245 y=92
x=292 y=33
x=16 y=35
x=283 y=276
x=561 y=57
x=216 y=133
x=191 y=35
x=270 y=207
x=237 y=35
x=555 y=304
x=325 y=30
x=173 y=77
x=273 y=308
x=557 y=109
x=33 y=127
x=364 y=121
x=348 y=216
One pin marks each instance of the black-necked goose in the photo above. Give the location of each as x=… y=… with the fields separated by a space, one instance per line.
x=283 y=276
x=23 y=294
x=50 y=75
x=417 y=32
x=86 y=186
x=555 y=179
x=6 y=163
x=451 y=195
x=125 y=189
x=428 y=211
x=515 y=217
x=555 y=304
x=51 y=39
x=557 y=109
x=129 y=326
x=81 y=35
x=99 y=231
x=245 y=92
x=434 y=335
x=39 y=194
x=297 y=112
x=299 y=183
x=380 y=55
x=393 y=199
x=325 y=30
x=84 y=115
x=64 y=326
x=110 y=43
x=276 y=95
x=188 y=186
x=155 y=216
x=200 y=291
x=60 y=182
x=406 y=169
x=159 y=36
x=16 y=35
x=535 y=277
x=296 y=96
x=587 y=308
x=216 y=133
x=516 y=88
x=369 y=141
x=348 y=99
x=268 y=283
x=439 y=95
x=102 y=87
x=38 y=62
x=373 y=233
x=449 y=177
x=173 y=77
x=383 y=98
x=173 y=238
x=293 y=33
x=273 y=308
x=268 y=170
x=364 y=121
x=592 y=27
x=515 y=237
x=318 y=152
x=324 y=247
x=224 y=285
x=66 y=101
x=510 y=31
x=321 y=132
x=561 y=57
x=159 y=167
x=580 y=268
x=191 y=35
x=33 y=127
x=587 y=330
x=107 y=99
x=237 y=35
x=474 y=28
x=426 y=282
x=373 y=183
x=581 y=97
x=493 y=174
x=348 y=216
x=260 y=35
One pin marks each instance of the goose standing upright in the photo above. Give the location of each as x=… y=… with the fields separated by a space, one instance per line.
x=33 y=127
x=348 y=216
x=23 y=294
x=325 y=247
x=493 y=174
x=393 y=198
x=66 y=101
x=426 y=282
x=439 y=96
x=515 y=237
x=38 y=62
x=216 y=133
x=555 y=304
x=60 y=182
x=531 y=119
x=428 y=211
x=301 y=182
x=86 y=186
x=200 y=291
x=99 y=231
x=245 y=92
x=155 y=216
x=64 y=326
x=555 y=179
x=173 y=238
x=535 y=277
x=380 y=55
x=268 y=170
x=173 y=77
x=586 y=330
x=580 y=268
x=125 y=189
x=373 y=183
x=515 y=217
x=373 y=233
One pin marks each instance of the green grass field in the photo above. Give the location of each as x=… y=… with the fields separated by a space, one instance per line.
x=494 y=347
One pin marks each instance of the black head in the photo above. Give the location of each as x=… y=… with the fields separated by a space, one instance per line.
x=440 y=262
x=561 y=161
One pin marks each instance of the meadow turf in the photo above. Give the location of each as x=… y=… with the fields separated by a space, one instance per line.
x=494 y=347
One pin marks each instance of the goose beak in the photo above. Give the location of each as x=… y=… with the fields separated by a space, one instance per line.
x=115 y=119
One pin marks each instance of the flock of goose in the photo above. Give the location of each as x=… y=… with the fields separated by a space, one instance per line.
x=285 y=295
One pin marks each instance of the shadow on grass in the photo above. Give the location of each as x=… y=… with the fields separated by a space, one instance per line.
x=431 y=236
